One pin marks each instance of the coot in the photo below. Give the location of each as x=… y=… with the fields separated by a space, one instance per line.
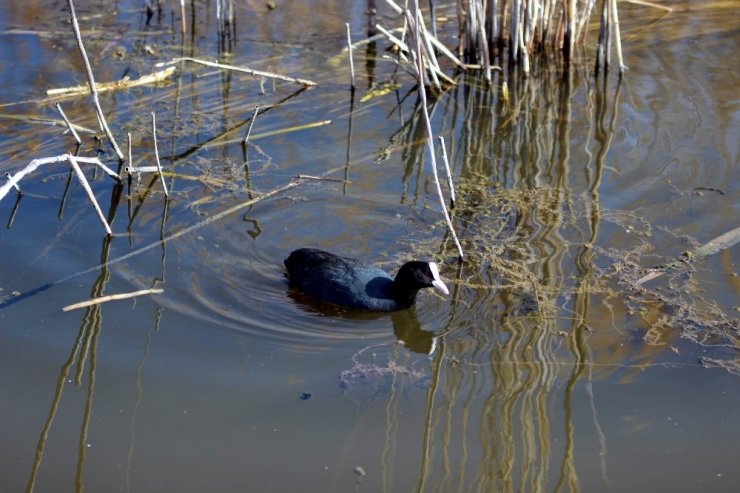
x=349 y=283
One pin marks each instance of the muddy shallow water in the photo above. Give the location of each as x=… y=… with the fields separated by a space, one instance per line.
x=548 y=368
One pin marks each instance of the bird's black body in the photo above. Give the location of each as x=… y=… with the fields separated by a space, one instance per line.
x=349 y=283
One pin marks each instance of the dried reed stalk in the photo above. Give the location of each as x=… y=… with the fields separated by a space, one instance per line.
x=251 y=124
x=124 y=83
x=83 y=181
x=91 y=81
x=614 y=16
x=141 y=169
x=73 y=162
x=351 y=62
x=15 y=185
x=111 y=297
x=156 y=154
x=245 y=70
x=69 y=125
x=419 y=66
x=525 y=26
x=447 y=170
x=183 y=26
x=33 y=165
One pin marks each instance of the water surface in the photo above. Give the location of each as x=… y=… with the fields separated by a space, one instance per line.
x=547 y=369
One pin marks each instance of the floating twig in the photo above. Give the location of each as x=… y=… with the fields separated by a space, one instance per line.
x=91 y=81
x=117 y=85
x=246 y=70
x=141 y=169
x=351 y=62
x=111 y=297
x=321 y=178
x=69 y=125
x=209 y=181
x=251 y=124
x=156 y=154
x=722 y=242
x=650 y=4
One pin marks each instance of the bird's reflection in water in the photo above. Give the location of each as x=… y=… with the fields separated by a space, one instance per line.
x=406 y=326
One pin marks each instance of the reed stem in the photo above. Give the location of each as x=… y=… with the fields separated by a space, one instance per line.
x=69 y=125
x=91 y=81
x=156 y=154
x=351 y=62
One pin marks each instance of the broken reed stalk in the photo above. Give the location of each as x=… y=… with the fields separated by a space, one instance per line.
x=15 y=185
x=351 y=62
x=73 y=162
x=111 y=297
x=430 y=44
x=33 y=165
x=69 y=125
x=415 y=32
x=156 y=154
x=183 y=27
x=141 y=169
x=447 y=170
x=251 y=124
x=81 y=176
x=130 y=144
x=246 y=70
x=403 y=47
x=614 y=17
x=91 y=81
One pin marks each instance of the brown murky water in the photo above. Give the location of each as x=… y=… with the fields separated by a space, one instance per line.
x=549 y=368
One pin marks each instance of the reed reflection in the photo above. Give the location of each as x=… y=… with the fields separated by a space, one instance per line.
x=518 y=343
x=83 y=355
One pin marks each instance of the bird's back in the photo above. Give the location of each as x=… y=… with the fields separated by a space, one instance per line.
x=340 y=280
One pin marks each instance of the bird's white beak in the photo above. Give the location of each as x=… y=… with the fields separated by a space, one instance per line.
x=437 y=281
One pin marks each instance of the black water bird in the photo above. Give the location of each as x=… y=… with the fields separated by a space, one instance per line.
x=351 y=284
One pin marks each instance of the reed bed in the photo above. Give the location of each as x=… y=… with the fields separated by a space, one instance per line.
x=497 y=33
